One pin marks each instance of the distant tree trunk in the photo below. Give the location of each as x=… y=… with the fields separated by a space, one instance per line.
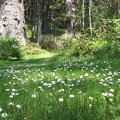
x=90 y=19
x=69 y=19
x=82 y=15
x=45 y=13
x=33 y=20
x=39 y=25
x=118 y=7
x=12 y=19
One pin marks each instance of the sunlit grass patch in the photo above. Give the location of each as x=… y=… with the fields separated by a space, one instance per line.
x=43 y=54
x=60 y=87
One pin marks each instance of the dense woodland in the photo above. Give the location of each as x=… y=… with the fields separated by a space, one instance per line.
x=48 y=22
x=70 y=16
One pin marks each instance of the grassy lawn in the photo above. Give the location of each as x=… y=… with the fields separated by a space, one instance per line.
x=60 y=88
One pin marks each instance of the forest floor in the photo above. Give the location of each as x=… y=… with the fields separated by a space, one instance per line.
x=59 y=87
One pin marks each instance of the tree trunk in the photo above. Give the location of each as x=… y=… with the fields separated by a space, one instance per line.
x=118 y=8
x=82 y=15
x=90 y=19
x=69 y=19
x=39 y=25
x=12 y=19
x=33 y=20
x=45 y=19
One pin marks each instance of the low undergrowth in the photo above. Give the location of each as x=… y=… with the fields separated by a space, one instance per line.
x=9 y=48
x=99 y=48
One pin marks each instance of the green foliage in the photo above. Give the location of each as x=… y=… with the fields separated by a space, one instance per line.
x=83 y=46
x=50 y=42
x=78 y=48
x=63 y=42
x=105 y=41
x=30 y=49
x=28 y=30
x=9 y=47
x=112 y=29
x=97 y=48
x=110 y=49
x=57 y=12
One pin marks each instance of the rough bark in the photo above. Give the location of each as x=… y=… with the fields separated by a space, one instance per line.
x=12 y=19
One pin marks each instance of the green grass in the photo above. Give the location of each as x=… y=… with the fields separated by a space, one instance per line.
x=43 y=54
x=60 y=88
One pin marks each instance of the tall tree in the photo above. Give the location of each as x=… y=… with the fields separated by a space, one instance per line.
x=82 y=15
x=90 y=16
x=39 y=24
x=69 y=19
x=33 y=22
x=12 y=19
x=45 y=16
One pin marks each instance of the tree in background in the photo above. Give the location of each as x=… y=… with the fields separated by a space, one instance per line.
x=90 y=16
x=45 y=16
x=70 y=22
x=56 y=17
x=38 y=24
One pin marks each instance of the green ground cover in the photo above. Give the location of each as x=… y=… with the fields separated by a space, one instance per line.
x=60 y=88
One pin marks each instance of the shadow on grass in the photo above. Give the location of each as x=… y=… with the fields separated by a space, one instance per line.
x=60 y=58
x=50 y=61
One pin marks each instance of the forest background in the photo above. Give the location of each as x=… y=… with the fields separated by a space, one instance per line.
x=79 y=27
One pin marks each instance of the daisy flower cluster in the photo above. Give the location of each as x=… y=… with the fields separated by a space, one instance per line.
x=71 y=85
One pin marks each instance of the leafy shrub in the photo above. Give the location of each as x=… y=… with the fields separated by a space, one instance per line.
x=98 y=48
x=50 y=42
x=112 y=27
x=110 y=50
x=30 y=49
x=77 y=48
x=9 y=47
